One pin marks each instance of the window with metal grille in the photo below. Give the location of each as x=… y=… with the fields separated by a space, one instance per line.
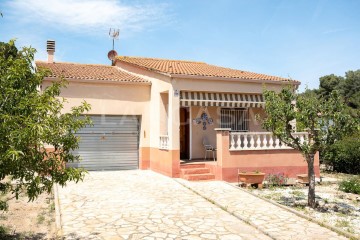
x=235 y=118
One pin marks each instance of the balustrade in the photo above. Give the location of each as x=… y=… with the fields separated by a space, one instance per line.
x=260 y=140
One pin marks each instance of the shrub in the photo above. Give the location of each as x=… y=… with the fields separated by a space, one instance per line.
x=351 y=185
x=278 y=179
x=344 y=155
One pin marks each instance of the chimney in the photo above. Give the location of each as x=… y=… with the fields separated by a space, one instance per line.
x=50 y=47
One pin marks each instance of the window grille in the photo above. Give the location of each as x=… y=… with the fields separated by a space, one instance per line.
x=235 y=118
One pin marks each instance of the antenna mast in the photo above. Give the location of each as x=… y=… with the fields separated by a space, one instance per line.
x=114 y=34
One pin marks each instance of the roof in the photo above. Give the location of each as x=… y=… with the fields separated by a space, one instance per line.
x=180 y=67
x=88 y=72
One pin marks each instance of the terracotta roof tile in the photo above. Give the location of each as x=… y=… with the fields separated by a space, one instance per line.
x=181 y=67
x=89 y=72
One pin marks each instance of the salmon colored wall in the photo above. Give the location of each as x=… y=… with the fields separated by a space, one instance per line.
x=287 y=161
x=144 y=158
x=166 y=162
x=111 y=99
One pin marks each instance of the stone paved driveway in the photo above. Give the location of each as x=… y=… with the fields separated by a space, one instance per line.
x=275 y=221
x=143 y=205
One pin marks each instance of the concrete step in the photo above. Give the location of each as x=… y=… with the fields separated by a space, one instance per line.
x=186 y=171
x=199 y=177
x=192 y=165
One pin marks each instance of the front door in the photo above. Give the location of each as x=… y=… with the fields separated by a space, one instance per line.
x=184 y=133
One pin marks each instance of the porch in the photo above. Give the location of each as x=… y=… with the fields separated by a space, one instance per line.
x=247 y=151
x=228 y=123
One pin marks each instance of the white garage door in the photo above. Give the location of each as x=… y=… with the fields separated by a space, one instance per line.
x=110 y=144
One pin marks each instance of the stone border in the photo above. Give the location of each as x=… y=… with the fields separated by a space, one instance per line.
x=332 y=228
x=57 y=211
x=224 y=208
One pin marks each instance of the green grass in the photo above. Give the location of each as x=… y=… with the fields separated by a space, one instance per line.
x=351 y=185
x=51 y=207
x=4 y=230
x=298 y=193
x=342 y=223
x=40 y=218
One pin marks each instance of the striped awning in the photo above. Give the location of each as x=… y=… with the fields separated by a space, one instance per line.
x=232 y=100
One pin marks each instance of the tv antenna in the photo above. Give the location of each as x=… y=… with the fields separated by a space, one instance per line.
x=114 y=34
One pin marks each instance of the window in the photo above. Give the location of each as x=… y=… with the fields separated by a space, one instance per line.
x=235 y=118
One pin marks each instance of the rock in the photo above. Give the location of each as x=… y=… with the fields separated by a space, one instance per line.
x=321 y=206
x=344 y=210
x=320 y=203
x=341 y=196
x=341 y=209
x=335 y=207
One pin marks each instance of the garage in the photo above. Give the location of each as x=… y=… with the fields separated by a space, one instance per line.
x=112 y=143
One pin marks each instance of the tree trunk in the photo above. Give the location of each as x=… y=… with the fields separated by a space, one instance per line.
x=311 y=175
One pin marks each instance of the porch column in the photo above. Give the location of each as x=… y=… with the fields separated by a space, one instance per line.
x=222 y=145
x=174 y=130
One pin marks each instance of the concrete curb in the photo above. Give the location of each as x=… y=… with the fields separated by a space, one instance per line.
x=224 y=208
x=332 y=228
x=57 y=211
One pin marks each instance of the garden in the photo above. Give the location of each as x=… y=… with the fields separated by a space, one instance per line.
x=337 y=199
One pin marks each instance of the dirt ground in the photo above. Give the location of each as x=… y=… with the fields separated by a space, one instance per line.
x=29 y=220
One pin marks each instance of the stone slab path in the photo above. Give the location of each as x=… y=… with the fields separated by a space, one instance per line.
x=144 y=205
x=273 y=220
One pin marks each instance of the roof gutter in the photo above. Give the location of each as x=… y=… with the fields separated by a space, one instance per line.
x=96 y=81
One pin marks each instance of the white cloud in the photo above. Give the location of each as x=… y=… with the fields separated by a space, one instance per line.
x=88 y=15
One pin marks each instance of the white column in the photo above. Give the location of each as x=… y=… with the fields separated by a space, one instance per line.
x=174 y=121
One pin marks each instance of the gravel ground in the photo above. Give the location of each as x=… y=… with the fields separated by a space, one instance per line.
x=335 y=208
x=28 y=220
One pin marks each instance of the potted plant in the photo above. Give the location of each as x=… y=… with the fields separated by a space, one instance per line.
x=303 y=178
x=249 y=178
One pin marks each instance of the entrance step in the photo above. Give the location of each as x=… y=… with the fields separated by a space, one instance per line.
x=187 y=171
x=195 y=172
x=192 y=165
x=199 y=177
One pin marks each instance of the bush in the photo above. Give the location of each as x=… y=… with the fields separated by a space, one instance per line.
x=278 y=179
x=344 y=155
x=351 y=185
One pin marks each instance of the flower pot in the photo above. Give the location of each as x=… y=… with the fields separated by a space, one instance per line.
x=252 y=178
x=303 y=178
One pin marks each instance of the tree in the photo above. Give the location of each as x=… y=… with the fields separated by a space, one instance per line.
x=30 y=120
x=325 y=120
x=328 y=84
x=351 y=89
x=348 y=87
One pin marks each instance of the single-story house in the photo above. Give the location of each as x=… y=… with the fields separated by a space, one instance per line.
x=158 y=114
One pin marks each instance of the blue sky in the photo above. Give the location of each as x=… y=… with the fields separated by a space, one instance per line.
x=302 y=39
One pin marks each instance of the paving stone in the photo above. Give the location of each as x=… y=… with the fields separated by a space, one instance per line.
x=269 y=218
x=143 y=205
x=146 y=205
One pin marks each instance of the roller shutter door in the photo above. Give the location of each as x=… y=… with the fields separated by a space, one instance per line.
x=110 y=144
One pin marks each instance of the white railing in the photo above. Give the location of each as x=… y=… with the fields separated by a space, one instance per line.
x=260 y=141
x=164 y=142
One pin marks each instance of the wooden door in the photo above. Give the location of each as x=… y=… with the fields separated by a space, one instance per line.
x=184 y=133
